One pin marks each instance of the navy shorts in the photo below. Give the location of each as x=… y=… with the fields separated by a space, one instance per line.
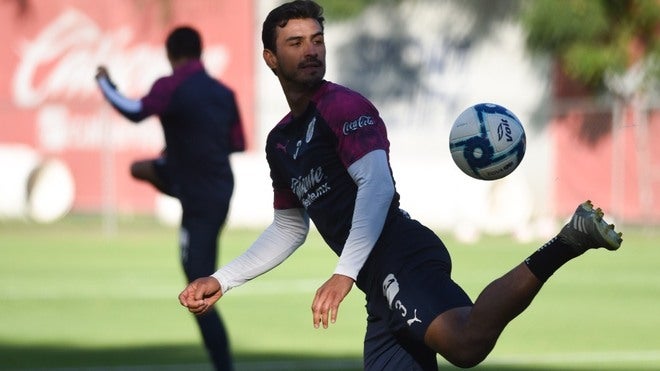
x=408 y=284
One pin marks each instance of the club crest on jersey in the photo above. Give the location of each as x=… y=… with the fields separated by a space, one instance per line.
x=360 y=122
x=310 y=130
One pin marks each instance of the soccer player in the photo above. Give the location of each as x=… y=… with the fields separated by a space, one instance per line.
x=329 y=161
x=202 y=126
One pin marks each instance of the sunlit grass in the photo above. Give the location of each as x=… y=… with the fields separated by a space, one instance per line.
x=73 y=295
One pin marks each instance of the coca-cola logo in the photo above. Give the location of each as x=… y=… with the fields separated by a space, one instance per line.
x=362 y=121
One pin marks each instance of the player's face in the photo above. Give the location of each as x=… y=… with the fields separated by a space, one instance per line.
x=300 y=57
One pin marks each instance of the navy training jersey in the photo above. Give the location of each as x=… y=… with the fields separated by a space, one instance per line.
x=309 y=157
x=202 y=126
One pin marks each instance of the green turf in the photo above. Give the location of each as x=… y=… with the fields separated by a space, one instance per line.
x=73 y=295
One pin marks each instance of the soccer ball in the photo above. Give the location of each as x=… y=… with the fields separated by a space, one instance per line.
x=487 y=141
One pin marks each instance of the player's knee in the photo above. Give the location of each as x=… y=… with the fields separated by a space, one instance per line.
x=466 y=358
x=465 y=350
x=137 y=171
x=452 y=338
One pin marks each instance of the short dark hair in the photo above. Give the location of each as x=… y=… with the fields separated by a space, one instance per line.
x=280 y=16
x=184 y=42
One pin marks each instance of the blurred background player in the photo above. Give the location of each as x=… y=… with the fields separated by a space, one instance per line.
x=202 y=126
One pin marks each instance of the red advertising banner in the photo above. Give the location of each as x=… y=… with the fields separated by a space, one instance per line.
x=50 y=104
x=616 y=166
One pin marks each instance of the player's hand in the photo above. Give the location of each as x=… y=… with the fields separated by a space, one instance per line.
x=101 y=71
x=200 y=295
x=327 y=299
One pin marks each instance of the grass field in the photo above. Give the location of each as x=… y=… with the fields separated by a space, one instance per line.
x=73 y=297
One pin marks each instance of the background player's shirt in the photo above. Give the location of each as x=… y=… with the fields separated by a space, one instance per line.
x=308 y=157
x=202 y=126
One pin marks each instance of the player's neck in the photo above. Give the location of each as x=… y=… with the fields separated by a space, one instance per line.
x=298 y=97
x=179 y=62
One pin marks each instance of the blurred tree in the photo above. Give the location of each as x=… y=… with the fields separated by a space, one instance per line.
x=343 y=9
x=610 y=44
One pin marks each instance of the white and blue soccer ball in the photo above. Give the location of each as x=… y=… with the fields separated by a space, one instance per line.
x=487 y=141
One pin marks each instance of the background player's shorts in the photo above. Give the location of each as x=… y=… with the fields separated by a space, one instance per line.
x=408 y=285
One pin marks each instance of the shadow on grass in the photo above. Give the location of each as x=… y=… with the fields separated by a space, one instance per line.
x=181 y=357
x=75 y=357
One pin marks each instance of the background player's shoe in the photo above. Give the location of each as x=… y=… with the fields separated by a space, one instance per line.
x=588 y=230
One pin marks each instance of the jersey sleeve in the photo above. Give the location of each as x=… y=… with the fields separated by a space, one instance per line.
x=283 y=198
x=236 y=133
x=130 y=108
x=159 y=97
x=358 y=127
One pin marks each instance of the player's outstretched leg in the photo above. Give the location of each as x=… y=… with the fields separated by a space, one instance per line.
x=588 y=230
x=466 y=335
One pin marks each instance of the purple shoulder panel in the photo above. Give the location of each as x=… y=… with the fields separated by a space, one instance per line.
x=354 y=120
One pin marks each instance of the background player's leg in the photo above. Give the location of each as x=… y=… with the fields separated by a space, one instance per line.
x=146 y=171
x=199 y=236
x=215 y=339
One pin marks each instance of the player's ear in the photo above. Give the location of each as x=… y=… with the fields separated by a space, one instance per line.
x=271 y=60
